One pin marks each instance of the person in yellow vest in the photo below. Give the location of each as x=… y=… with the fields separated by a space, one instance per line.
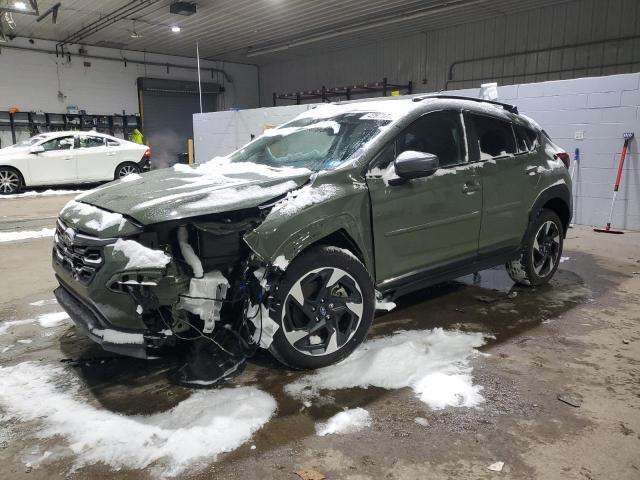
x=136 y=136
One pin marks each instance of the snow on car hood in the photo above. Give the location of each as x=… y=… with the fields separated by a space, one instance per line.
x=183 y=191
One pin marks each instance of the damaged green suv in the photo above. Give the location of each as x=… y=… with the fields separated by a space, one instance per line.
x=291 y=242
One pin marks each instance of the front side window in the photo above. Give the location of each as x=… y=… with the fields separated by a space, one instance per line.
x=87 y=141
x=60 y=143
x=438 y=133
x=313 y=143
x=495 y=137
x=30 y=141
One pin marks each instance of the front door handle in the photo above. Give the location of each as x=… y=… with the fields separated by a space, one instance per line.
x=68 y=158
x=531 y=170
x=470 y=187
x=110 y=154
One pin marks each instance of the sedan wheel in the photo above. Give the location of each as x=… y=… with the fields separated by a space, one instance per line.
x=9 y=181
x=127 y=169
x=322 y=311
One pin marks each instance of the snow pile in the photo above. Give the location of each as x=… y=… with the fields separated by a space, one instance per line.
x=47 y=320
x=139 y=256
x=284 y=130
x=132 y=177
x=26 y=234
x=434 y=363
x=349 y=421
x=101 y=219
x=230 y=196
x=191 y=434
x=118 y=338
x=304 y=197
x=383 y=303
x=45 y=193
x=392 y=108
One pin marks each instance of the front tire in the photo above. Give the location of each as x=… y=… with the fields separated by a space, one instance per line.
x=10 y=181
x=541 y=251
x=325 y=305
x=125 y=169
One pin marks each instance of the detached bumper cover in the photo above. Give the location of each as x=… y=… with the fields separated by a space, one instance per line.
x=133 y=344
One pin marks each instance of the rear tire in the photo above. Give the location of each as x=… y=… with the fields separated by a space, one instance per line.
x=125 y=169
x=325 y=305
x=10 y=181
x=541 y=251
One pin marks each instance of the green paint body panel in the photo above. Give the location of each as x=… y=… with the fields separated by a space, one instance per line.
x=396 y=229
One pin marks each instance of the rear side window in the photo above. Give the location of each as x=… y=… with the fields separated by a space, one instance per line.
x=526 y=138
x=87 y=141
x=495 y=137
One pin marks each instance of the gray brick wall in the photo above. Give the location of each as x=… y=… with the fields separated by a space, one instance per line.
x=603 y=108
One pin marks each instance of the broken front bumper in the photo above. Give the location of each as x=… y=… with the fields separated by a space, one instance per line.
x=140 y=344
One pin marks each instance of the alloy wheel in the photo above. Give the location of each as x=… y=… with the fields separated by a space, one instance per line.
x=322 y=311
x=9 y=181
x=127 y=170
x=546 y=248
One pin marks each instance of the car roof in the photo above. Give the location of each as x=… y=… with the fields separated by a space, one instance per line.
x=75 y=132
x=401 y=107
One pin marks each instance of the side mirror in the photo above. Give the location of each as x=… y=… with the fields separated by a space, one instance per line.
x=36 y=149
x=411 y=164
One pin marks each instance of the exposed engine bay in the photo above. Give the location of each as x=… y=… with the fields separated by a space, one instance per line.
x=216 y=293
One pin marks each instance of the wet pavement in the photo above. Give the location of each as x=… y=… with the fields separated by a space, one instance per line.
x=565 y=336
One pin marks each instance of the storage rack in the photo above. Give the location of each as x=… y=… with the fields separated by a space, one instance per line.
x=325 y=94
x=35 y=123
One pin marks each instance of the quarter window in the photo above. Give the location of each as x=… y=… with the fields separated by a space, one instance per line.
x=526 y=138
x=495 y=137
x=87 y=141
x=438 y=133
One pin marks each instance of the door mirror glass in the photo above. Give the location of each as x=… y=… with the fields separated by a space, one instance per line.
x=36 y=149
x=411 y=164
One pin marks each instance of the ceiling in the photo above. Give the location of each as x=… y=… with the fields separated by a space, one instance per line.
x=253 y=31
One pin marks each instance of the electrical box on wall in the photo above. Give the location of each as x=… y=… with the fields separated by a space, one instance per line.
x=578 y=135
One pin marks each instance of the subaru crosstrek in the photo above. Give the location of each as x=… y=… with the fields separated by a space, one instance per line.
x=290 y=242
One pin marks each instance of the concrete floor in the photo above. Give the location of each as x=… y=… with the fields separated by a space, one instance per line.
x=580 y=335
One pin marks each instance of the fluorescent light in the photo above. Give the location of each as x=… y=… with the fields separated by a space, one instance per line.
x=20 y=5
x=175 y=29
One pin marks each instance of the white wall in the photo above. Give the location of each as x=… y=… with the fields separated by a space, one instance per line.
x=31 y=80
x=220 y=133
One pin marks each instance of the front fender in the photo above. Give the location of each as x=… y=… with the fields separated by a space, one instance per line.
x=346 y=209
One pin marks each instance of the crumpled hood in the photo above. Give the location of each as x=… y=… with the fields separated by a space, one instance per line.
x=182 y=191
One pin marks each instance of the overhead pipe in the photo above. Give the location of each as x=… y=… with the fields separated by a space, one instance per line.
x=130 y=8
x=122 y=59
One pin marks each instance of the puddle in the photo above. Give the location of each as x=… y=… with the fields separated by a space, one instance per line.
x=489 y=304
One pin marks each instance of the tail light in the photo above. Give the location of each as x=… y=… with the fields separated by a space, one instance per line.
x=564 y=156
x=147 y=153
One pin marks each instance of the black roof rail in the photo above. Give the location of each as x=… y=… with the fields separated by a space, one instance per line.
x=508 y=107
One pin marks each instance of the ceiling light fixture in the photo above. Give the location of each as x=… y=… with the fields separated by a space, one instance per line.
x=175 y=29
x=20 y=5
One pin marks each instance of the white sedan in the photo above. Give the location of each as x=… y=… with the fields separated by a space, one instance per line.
x=58 y=158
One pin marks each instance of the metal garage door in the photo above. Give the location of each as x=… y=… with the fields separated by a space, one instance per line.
x=166 y=107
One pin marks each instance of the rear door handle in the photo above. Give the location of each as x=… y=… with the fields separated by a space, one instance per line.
x=68 y=158
x=470 y=187
x=111 y=154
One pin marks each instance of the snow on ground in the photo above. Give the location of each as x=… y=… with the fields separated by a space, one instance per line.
x=132 y=177
x=26 y=234
x=191 y=434
x=349 y=421
x=41 y=303
x=139 y=256
x=45 y=193
x=434 y=363
x=302 y=198
x=46 y=320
